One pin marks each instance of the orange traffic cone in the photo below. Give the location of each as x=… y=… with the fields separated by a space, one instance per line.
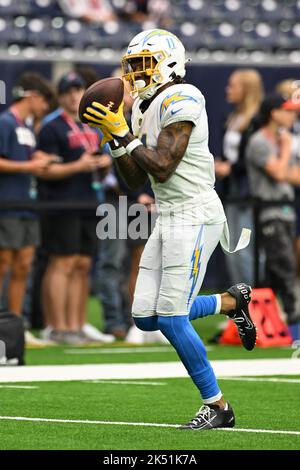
x=265 y=313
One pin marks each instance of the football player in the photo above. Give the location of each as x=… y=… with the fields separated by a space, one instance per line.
x=169 y=144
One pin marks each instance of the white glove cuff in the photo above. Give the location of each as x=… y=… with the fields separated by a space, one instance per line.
x=133 y=145
x=119 y=152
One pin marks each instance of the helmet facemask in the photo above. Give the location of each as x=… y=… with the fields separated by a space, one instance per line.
x=142 y=71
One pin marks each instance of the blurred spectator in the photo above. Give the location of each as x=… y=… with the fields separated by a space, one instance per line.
x=33 y=301
x=288 y=87
x=244 y=91
x=269 y=157
x=69 y=237
x=91 y=11
x=111 y=274
x=291 y=89
x=88 y=74
x=160 y=12
x=156 y=12
x=19 y=162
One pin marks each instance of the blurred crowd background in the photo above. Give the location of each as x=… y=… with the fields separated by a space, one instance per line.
x=245 y=60
x=230 y=25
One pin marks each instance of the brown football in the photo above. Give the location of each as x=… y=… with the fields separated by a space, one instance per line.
x=109 y=92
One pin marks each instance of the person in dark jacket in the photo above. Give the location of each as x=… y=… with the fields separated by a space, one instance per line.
x=244 y=91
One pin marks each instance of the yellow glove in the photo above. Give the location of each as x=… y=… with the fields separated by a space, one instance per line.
x=106 y=137
x=109 y=122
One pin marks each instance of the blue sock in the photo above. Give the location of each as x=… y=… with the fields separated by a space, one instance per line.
x=203 y=306
x=191 y=351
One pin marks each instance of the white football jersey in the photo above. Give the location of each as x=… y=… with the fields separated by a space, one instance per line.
x=194 y=177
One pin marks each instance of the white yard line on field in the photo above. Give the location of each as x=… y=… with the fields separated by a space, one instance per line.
x=118 y=350
x=122 y=423
x=149 y=370
x=123 y=382
x=257 y=379
x=29 y=387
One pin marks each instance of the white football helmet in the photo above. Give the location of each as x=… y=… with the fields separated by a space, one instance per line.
x=161 y=56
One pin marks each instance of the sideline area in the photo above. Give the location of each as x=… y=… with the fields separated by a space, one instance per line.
x=152 y=370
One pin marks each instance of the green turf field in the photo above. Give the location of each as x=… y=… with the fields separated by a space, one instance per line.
x=262 y=406
x=143 y=414
x=89 y=355
x=206 y=328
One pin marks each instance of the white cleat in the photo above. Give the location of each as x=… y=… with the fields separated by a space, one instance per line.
x=135 y=336
x=31 y=340
x=91 y=333
x=45 y=333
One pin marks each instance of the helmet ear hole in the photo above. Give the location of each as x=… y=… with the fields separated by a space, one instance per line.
x=156 y=78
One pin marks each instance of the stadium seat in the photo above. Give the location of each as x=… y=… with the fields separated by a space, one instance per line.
x=228 y=25
x=38 y=31
x=226 y=35
x=116 y=35
x=74 y=34
x=16 y=31
x=233 y=9
x=194 y=36
x=48 y=8
x=258 y=36
x=292 y=10
x=5 y=27
x=193 y=10
x=13 y=7
x=270 y=10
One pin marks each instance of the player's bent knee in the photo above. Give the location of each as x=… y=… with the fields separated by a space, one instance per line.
x=142 y=307
x=146 y=323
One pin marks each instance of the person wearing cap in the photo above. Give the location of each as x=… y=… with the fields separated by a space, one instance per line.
x=19 y=164
x=69 y=237
x=268 y=156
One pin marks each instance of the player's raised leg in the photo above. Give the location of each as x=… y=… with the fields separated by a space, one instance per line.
x=235 y=304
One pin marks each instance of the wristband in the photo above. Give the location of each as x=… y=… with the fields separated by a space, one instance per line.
x=117 y=153
x=132 y=146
